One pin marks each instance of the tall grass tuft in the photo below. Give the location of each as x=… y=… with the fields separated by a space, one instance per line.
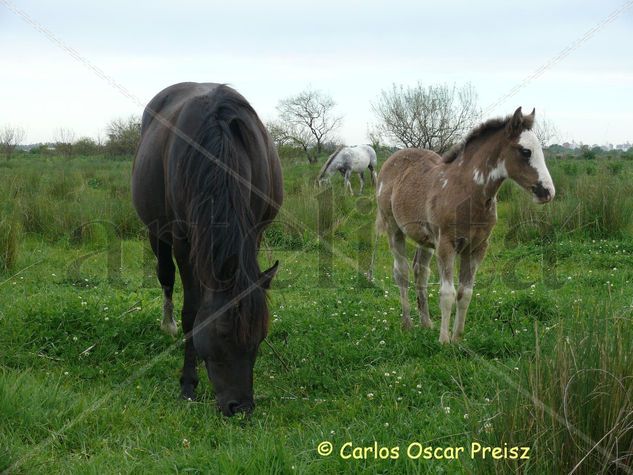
x=599 y=206
x=573 y=405
x=9 y=240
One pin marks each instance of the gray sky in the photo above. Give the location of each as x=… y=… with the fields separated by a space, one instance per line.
x=348 y=49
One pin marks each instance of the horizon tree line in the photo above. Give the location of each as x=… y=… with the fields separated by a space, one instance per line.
x=433 y=117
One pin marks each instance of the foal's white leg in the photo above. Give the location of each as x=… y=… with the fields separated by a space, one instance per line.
x=421 y=271
x=445 y=261
x=401 y=274
x=469 y=262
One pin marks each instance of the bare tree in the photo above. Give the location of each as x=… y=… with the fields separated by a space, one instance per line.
x=64 y=140
x=432 y=117
x=308 y=119
x=278 y=133
x=375 y=137
x=10 y=138
x=545 y=131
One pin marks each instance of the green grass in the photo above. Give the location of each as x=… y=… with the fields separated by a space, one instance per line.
x=89 y=384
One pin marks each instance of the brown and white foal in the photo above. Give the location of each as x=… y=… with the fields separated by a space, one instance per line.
x=448 y=204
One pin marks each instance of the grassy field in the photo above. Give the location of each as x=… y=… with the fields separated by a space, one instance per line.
x=89 y=384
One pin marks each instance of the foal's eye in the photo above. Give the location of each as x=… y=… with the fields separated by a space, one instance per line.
x=526 y=152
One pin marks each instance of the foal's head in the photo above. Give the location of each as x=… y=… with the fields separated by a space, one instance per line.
x=227 y=333
x=522 y=156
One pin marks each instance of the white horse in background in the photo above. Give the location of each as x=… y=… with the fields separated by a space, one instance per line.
x=346 y=160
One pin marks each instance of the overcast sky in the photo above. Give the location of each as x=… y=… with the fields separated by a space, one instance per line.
x=351 y=50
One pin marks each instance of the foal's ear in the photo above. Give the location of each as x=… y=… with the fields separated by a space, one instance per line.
x=266 y=277
x=515 y=126
x=528 y=120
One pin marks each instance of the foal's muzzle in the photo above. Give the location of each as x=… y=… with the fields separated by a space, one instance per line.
x=542 y=194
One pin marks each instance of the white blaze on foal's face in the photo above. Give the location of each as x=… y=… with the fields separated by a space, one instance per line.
x=543 y=190
x=525 y=164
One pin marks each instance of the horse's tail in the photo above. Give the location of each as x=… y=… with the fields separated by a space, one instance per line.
x=211 y=170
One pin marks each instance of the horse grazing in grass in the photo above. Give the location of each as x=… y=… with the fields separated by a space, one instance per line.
x=448 y=204
x=206 y=181
x=346 y=160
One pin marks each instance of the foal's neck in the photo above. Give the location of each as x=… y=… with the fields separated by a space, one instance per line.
x=487 y=172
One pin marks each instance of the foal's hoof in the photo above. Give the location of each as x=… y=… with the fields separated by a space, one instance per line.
x=169 y=327
x=407 y=324
x=426 y=323
x=444 y=339
x=456 y=338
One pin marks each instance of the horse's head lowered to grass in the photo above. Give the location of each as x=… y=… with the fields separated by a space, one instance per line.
x=227 y=332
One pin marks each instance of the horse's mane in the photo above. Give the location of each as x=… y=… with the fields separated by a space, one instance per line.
x=218 y=218
x=490 y=126
x=329 y=161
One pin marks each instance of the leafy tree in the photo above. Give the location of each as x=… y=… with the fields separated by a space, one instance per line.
x=86 y=146
x=123 y=136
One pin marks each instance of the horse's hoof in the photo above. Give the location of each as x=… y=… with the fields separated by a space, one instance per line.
x=444 y=339
x=169 y=327
x=407 y=325
x=187 y=394
x=426 y=323
x=456 y=338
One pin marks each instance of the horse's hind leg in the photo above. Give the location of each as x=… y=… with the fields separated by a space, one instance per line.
x=421 y=271
x=374 y=177
x=191 y=303
x=361 y=175
x=166 y=272
x=401 y=273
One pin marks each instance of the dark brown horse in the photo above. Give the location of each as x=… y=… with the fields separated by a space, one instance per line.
x=206 y=181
